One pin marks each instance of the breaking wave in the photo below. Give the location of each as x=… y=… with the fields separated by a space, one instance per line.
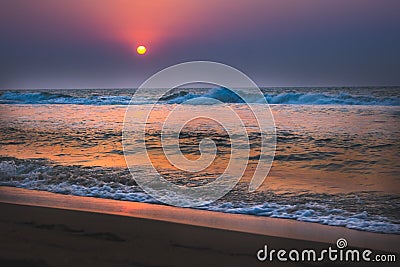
x=300 y=98
x=10 y=97
x=222 y=94
x=359 y=210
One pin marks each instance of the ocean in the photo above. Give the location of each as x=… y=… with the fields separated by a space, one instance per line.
x=337 y=158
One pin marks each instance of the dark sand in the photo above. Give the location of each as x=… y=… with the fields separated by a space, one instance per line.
x=43 y=236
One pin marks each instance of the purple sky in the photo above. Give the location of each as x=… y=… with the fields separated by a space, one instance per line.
x=91 y=43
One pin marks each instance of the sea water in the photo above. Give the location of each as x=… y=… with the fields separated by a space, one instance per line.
x=337 y=159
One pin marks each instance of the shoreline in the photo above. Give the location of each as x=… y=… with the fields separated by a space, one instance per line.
x=263 y=226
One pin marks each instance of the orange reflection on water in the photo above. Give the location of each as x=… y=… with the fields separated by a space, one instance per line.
x=317 y=150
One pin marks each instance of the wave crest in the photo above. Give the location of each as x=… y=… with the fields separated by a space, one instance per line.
x=222 y=94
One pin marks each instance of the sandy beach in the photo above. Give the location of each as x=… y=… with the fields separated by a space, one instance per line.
x=199 y=133
x=71 y=231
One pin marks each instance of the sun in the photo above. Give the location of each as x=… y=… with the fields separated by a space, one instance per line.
x=141 y=50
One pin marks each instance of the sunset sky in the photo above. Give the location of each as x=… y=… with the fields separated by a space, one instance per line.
x=92 y=43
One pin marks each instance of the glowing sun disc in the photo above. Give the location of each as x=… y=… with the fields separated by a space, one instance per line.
x=141 y=50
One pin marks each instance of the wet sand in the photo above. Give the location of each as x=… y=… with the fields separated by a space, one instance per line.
x=46 y=229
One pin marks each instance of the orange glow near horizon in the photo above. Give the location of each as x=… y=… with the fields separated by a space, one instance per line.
x=154 y=23
x=158 y=23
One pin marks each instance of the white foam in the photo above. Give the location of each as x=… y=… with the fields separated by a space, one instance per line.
x=222 y=94
x=39 y=175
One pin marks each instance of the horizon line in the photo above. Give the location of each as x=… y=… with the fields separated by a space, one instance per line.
x=111 y=88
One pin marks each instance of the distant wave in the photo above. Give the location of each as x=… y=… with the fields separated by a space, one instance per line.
x=325 y=99
x=31 y=98
x=227 y=96
x=10 y=97
x=222 y=94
